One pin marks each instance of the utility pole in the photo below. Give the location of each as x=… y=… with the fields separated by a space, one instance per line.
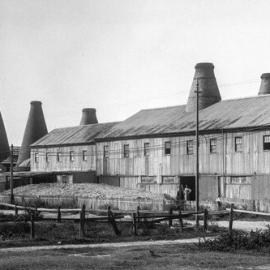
x=197 y=153
x=11 y=175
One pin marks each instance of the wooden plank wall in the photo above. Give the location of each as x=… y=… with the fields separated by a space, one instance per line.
x=261 y=187
x=208 y=187
x=253 y=159
x=65 y=164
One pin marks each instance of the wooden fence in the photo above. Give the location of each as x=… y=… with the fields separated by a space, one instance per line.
x=113 y=217
x=32 y=215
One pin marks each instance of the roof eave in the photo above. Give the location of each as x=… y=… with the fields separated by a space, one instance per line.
x=60 y=145
x=183 y=133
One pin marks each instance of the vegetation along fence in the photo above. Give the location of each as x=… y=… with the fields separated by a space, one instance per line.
x=113 y=217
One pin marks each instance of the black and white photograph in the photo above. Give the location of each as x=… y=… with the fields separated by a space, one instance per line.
x=134 y=134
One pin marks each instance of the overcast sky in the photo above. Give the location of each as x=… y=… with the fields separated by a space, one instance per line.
x=120 y=56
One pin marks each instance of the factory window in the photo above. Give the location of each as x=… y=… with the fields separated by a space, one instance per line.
x=71 y=156
x=266 y=142
x=146 y=149
x=36 y=157
x=190 y=147
x=47 y=157
x=58 y=157
x=106 y=151
x=126 y=150
x=167 y=148
x=84 y=156
x=238 y=144
x=213 y=145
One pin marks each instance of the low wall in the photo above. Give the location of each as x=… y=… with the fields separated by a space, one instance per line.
x=90 y=203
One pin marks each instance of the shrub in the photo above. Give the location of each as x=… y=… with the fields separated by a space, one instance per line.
x=255 y=240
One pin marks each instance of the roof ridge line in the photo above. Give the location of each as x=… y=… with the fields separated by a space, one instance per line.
x=161 y=108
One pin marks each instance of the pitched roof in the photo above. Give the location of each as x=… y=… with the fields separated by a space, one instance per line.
x=73 y=135
x=227 y=114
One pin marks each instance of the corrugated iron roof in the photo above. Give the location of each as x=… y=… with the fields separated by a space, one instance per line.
x=73 y=135
x=227 y=114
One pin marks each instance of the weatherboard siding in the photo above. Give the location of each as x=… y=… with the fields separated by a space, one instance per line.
x=65 y=164
x=226 y=161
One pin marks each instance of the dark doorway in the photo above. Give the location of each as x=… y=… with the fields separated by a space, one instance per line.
x=189 y=181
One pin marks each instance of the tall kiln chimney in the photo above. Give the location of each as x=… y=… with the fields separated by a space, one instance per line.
x=35 y=129
x=209 y=92
x=88 y=116
x=4 y=147
x=265 y=84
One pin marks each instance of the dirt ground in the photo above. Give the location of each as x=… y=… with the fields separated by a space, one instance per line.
x=143 y=258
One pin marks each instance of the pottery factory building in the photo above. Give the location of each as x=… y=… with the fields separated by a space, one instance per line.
x=155 y=148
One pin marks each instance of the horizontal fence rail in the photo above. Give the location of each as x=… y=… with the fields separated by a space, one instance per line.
x=135 y=217
x=114 y=217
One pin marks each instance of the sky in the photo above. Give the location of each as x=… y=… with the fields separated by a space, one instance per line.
x=121 y=56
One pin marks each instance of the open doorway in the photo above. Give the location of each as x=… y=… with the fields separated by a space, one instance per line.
x=189 y=181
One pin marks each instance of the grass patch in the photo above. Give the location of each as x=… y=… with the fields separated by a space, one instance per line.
x=51 y=232
x=143 y=258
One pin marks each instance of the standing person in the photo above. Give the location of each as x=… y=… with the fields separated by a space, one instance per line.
x=218 y=201
x=180 y=195
x=187 y=191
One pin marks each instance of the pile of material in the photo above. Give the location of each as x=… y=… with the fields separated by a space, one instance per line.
x=99 y=191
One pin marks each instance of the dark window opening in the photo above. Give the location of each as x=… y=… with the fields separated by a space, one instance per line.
x=126 y=150
x=106 y=151
x=146 y=149
x=58 y=157
x=47 y=157
x=167 y=148
x=36 y=157
x=190 y=147
x=84 y=156
x=238 y=147
x=266 y=142
x=213 y=145
x=71 y=156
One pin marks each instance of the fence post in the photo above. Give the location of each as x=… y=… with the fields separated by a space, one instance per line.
x=16 y=211
x=170 y=216
x=180 y=221
x=59 y=214
x=25 y=213
x=82 y=221
x=32 y=226
x=231 y=220
x=138 y=214
x=205 y=220
x=36 y=212
x=134 y=224
x=112 y=221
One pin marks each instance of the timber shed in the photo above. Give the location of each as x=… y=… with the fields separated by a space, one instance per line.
x=69 y=153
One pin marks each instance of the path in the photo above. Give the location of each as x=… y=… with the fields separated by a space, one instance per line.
x=107 y=245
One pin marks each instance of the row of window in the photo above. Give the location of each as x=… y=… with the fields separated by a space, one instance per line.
x=59 y=156
x=238 y=147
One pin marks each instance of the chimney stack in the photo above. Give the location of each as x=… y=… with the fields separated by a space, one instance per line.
x=88 y=116
x=35 y=129
x=209 y=92
x=265 y=84
x=4 y=147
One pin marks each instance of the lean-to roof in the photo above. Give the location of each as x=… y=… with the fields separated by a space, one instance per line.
x=73 y=135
